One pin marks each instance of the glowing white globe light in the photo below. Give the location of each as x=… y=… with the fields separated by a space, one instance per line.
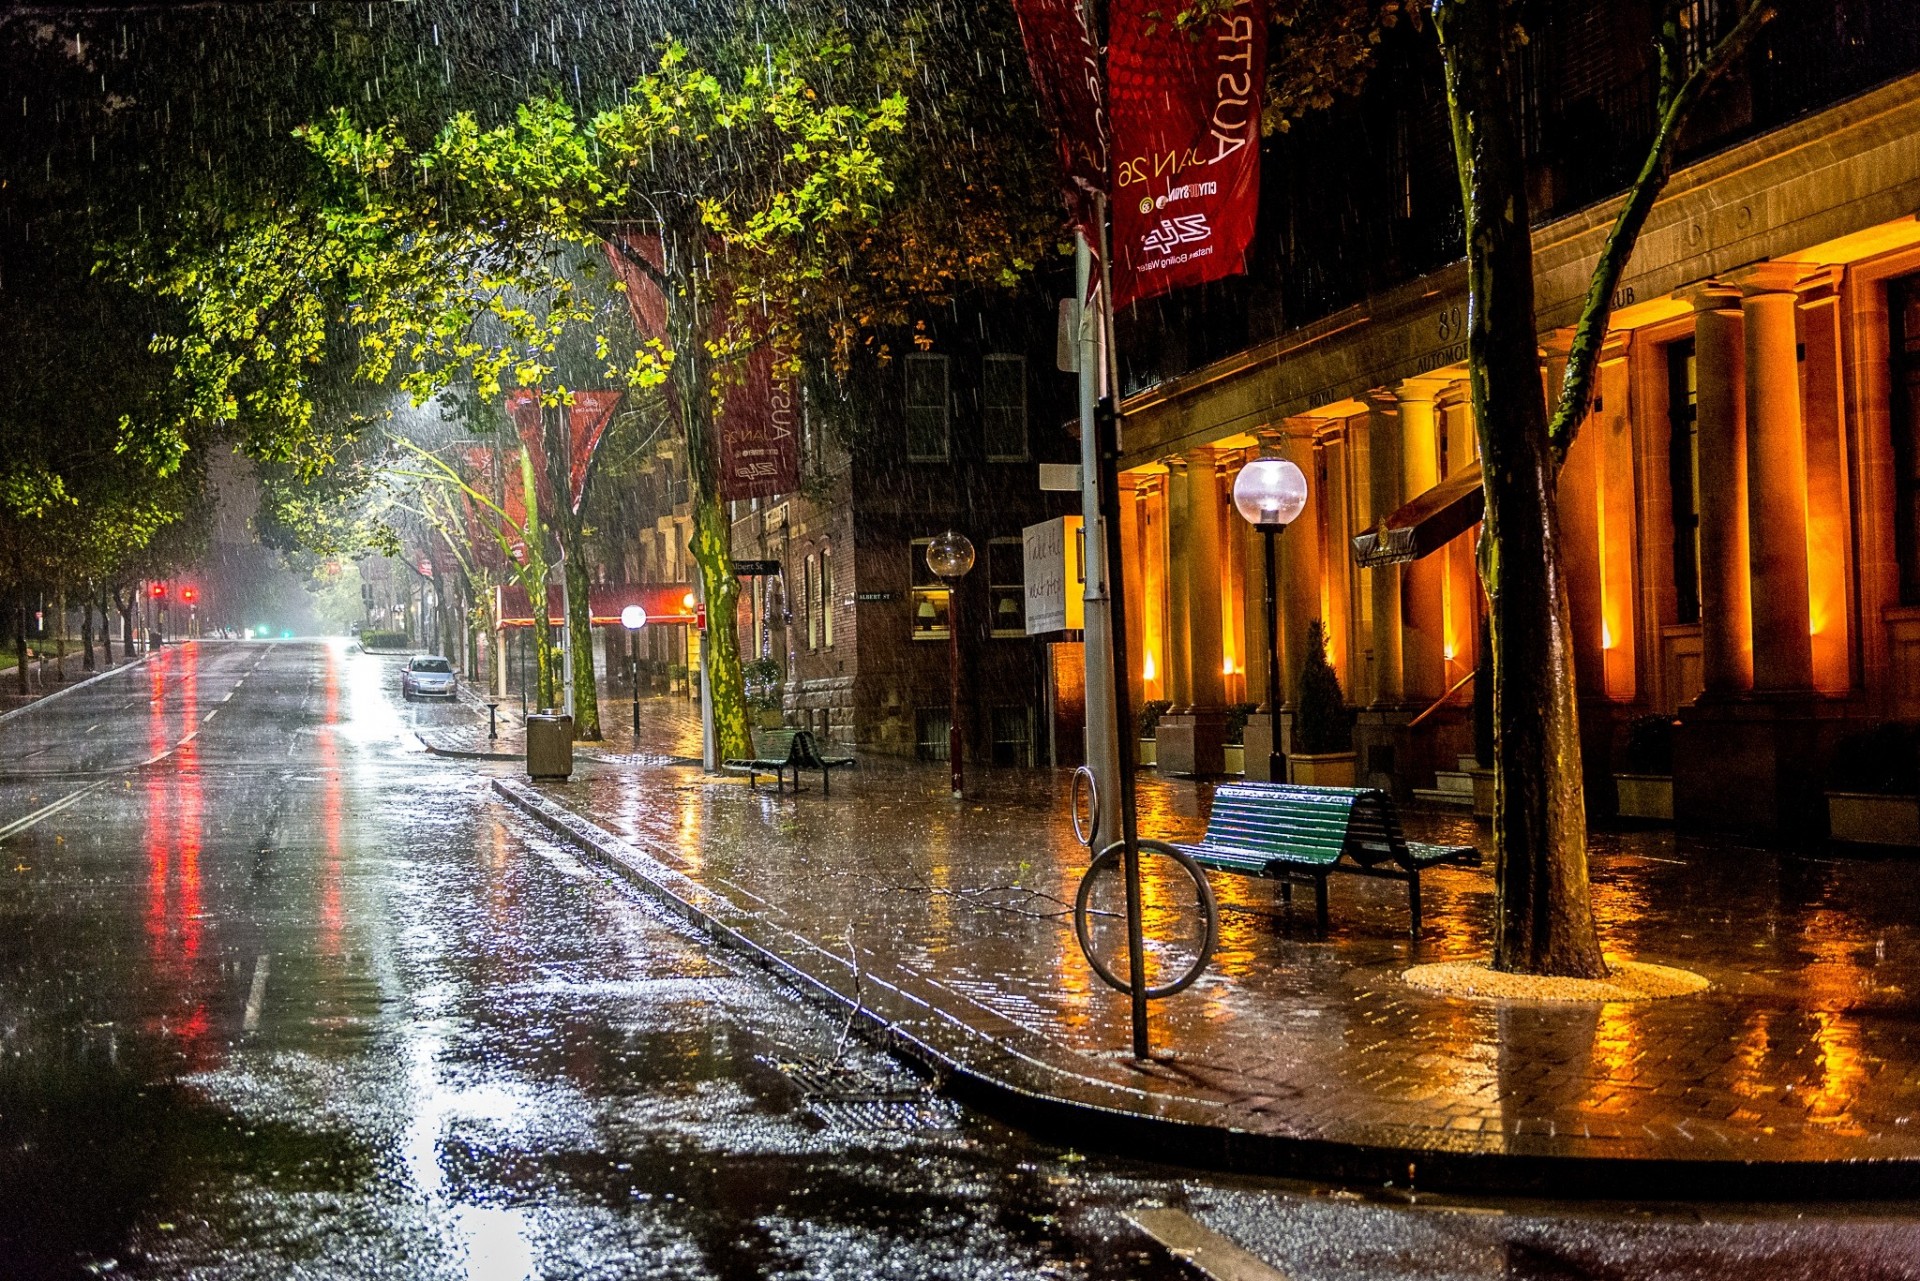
x=633 y=618
x=950 y=555
x=1270 y=493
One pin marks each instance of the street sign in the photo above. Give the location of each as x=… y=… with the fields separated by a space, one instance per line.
x=1056 y=576
x=875 y=598
x=633 y=618
x=755 y=568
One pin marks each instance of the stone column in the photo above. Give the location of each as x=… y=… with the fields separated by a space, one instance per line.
x=1776 y=480
x=1206 y=684
x=1386 y=494
x=1423 y=642
x=1178 y=679
x=1726 y=621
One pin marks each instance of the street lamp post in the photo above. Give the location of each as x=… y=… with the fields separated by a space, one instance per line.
x=1270 y=494
x=950 y=556
x=633 y=618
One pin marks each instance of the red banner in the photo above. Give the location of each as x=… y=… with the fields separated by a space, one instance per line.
x=1186 y=141
x=759 y=418
x=587 y=419
x=759 y=431
x=666 y=604
x=1064 y=58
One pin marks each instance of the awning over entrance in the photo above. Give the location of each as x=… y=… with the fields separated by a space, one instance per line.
x=1426 y=524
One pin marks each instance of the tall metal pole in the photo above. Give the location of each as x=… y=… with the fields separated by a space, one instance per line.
x=1276 y=759
x=1108 y=423
x=953 y=664
x=1105 y=733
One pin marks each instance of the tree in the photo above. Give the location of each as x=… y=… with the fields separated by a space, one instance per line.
x=758 y=192
x=1544 y=915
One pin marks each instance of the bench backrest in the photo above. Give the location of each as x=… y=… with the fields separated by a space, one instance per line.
x=1305 y=824
x=774 y=744
x=805 y=751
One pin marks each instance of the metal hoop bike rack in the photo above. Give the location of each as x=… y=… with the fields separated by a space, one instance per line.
x=1107 y=866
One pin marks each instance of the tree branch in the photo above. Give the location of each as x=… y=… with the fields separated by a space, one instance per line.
x=1676 y=100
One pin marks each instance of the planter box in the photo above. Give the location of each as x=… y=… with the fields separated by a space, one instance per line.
x=1149 y=751
x=1236 y=758
x=1864 y=819
x=1332 y=769
x=1645 y=796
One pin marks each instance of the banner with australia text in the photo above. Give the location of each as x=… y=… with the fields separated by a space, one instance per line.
x=1185 y=107
x=1064 y=58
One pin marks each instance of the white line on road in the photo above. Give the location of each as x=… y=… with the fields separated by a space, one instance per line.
x=256 y=996
x=1201 y=1248
x=47 y=811
x=209 y=715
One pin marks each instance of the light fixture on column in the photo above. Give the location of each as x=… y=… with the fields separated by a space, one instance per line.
x=1270 y=494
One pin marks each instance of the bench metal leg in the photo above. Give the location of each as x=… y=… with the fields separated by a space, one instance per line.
x=1286 y=893
x=1320 y=902
x=1413 y=903
x=826 y=781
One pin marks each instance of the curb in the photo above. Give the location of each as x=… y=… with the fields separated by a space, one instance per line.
x=1019 y=1077
x=44 y=699
x=456 y=754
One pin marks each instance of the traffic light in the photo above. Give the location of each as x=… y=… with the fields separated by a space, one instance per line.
x=159 y=591
x=189 y=595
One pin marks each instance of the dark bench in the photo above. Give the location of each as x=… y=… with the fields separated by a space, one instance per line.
x=1295 y=834
x=784 y=751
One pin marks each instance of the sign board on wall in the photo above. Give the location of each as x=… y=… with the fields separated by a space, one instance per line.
x=1056 y=576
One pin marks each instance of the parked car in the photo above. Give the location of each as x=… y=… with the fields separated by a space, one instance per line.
x=429 y=676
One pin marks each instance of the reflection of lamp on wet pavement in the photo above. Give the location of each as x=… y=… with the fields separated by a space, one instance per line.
x=950 y=556
x=1270 y=494
x=633 y=618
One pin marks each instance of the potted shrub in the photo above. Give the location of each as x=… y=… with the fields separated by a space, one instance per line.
x=763 y=682
x=1322 y=721
x=1645 y=786
x=1873 y=786
x=1150 y=713
x=1236 y=748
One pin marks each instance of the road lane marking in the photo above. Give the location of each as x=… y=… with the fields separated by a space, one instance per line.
x=208 y=716
x=1201 y=1248
x=48 y=810
x=256 y=996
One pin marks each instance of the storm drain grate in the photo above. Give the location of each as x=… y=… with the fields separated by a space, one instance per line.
x=842 y=1100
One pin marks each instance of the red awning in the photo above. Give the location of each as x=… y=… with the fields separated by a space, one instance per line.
x=1426 y=524
x=665 y=603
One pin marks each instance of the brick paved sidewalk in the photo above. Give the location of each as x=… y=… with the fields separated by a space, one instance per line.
x=1805 y=1049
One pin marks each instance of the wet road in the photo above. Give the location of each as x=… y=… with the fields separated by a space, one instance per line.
x=281 y=995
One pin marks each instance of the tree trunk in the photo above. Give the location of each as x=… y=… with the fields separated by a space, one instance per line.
x=106 y=625
x=86 y=633
x=1544 y=914
x=20 y=643
x=586 y=694
x=60 y=633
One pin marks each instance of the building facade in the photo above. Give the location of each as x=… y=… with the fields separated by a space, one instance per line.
x=1738 y=513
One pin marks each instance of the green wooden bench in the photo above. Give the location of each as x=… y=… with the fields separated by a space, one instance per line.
x=787 y=751
x=1296 y=835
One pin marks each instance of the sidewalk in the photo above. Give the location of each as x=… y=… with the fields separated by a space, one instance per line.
x=47 y=678
x=943 y=924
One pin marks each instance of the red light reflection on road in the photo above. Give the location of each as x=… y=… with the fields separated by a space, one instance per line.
x=175 y=830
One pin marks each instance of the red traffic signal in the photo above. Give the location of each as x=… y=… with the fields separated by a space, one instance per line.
x=189 y=595
x=159 y=591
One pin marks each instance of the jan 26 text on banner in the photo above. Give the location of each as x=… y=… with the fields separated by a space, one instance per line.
x=1185 y=106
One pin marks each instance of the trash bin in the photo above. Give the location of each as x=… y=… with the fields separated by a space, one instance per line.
x=549 y=745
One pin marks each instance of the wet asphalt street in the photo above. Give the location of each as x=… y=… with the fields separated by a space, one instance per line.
x=282 y=995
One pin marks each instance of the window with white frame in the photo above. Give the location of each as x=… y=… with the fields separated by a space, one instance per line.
x=826 y=596
x=1003 y=407
x=810 y=595
x=928 y=403
x=1007 y=586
